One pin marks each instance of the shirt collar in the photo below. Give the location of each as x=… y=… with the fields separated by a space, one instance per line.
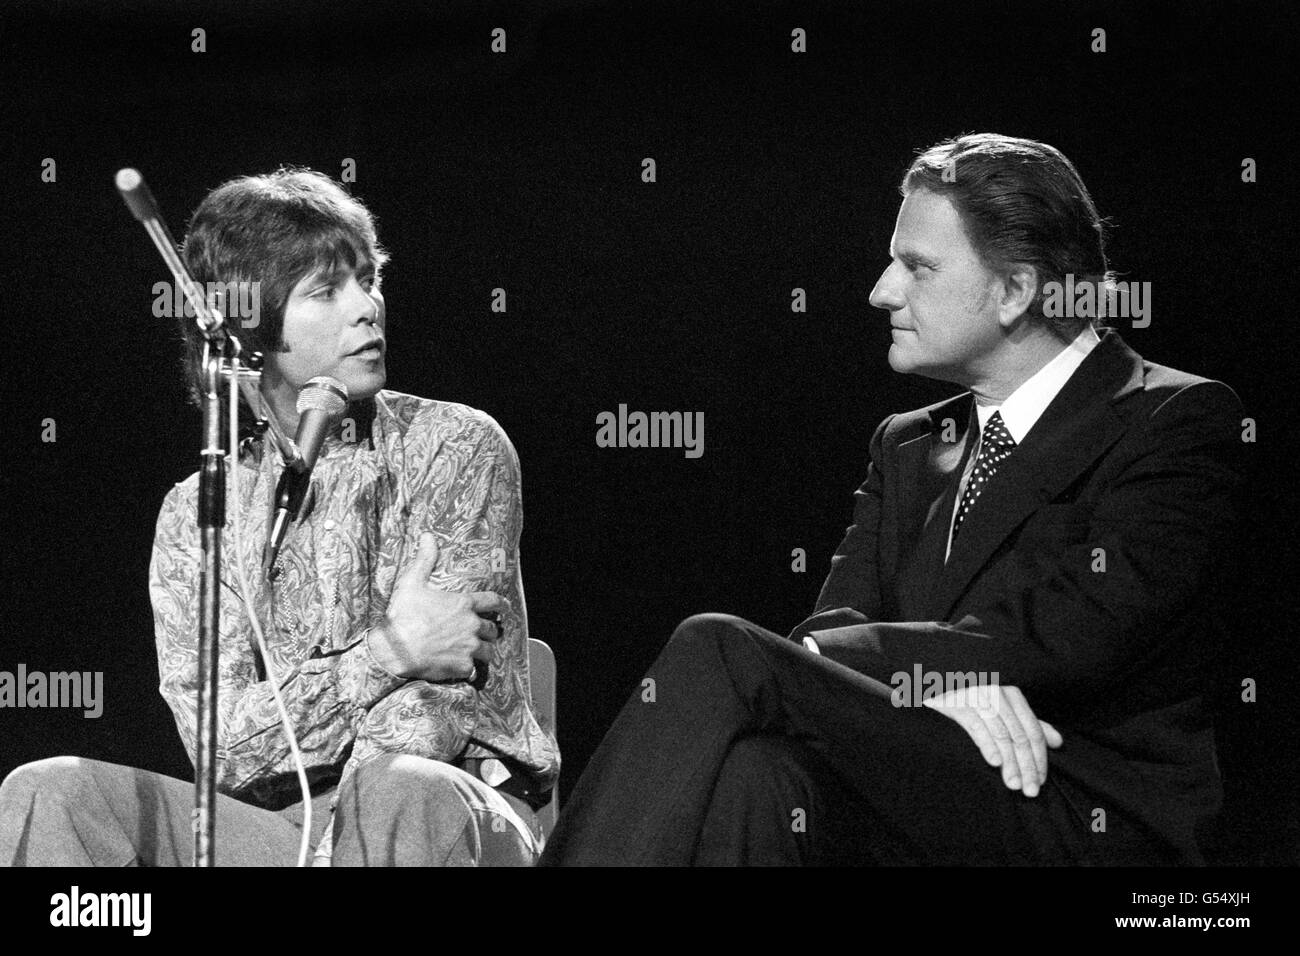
x=1023 y=407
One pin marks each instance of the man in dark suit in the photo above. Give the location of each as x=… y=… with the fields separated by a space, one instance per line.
x=1029 y=579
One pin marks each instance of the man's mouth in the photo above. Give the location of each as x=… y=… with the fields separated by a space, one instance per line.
x=370 y=350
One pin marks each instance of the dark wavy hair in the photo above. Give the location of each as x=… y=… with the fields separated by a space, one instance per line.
x=274 y=230
x=1020 y=201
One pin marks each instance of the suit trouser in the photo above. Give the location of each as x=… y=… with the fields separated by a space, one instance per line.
x=393 y=811
x=742 y=747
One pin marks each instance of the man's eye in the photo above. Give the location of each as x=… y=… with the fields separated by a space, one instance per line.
x=326 y=293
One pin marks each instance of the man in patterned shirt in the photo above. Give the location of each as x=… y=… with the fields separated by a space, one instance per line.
x=401 y=573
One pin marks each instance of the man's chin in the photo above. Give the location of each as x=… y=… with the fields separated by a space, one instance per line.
x=908 y=363
x=900 y=361
x=362 y=387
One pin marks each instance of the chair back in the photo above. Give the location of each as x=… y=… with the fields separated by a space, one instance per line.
x=541 y=675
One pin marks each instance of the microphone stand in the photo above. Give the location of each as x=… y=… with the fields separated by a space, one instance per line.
x=220 y=350
x=212 y=518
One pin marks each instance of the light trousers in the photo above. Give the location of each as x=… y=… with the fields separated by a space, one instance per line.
x=394 y=810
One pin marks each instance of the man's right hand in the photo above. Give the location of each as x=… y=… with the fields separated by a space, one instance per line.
x=999 y=720
x=430 y=634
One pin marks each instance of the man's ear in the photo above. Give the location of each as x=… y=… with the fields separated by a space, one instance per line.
x=1019 y=286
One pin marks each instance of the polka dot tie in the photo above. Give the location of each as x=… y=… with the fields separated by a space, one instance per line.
x=995 y=444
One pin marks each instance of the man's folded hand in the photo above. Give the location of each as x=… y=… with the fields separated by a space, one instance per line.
x=1004 y=728
x=432 y=634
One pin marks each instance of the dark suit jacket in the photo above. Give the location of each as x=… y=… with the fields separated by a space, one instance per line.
x=1133 y=463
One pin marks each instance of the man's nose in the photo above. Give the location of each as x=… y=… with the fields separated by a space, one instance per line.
x=886 y=294
x=366 y=306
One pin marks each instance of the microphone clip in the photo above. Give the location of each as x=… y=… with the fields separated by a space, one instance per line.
x=292 y=503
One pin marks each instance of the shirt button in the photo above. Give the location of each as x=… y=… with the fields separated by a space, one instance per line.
x=330 y=524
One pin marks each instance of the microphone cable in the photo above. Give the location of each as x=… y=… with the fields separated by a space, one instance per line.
x=251 y=611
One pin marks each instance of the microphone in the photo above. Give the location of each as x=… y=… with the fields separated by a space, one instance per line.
x=320 y=404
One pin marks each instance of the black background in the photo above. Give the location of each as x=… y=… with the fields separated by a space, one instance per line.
x=522 y=171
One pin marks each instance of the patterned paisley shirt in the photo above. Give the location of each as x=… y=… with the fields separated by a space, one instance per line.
x=403 y=466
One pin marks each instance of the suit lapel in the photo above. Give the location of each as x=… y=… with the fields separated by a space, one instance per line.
x=1076 y=429
x=928 y=467
x=927 y=462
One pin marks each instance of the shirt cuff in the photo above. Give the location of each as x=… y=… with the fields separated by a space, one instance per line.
x=362 y=679
x=811 y=644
